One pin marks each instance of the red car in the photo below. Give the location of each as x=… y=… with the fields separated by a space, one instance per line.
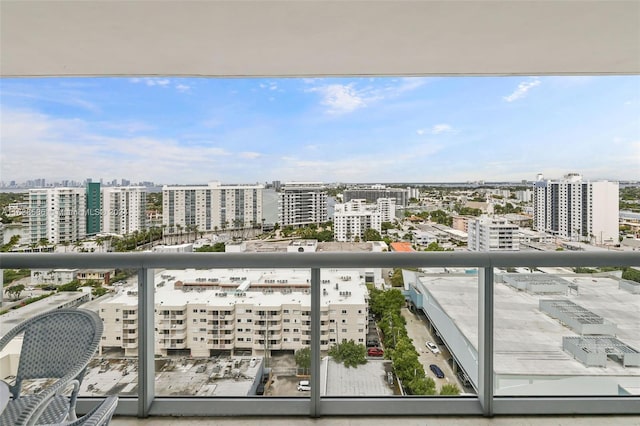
x=375 y=352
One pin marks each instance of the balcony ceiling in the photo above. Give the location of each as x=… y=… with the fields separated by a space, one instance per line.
x=311 y=38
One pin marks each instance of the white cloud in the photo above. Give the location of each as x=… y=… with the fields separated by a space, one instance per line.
x=436 y=129
x=441 y=128
x=346 y=98
x=340 y=98
x=151 y=81
x=250 y=155
x=522 y=90
x=75 y=149
x=183 y=88
x=271 y=85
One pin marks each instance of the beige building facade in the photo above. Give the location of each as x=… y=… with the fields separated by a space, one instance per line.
x=204 y=312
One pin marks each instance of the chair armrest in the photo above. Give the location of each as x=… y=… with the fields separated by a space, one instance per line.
x=40 y=401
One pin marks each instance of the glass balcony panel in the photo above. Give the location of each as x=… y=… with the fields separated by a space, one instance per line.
x=566 y=331
x=114 y=368
x=441 y=321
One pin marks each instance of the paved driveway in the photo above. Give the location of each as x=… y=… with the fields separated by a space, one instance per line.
x=419 y=333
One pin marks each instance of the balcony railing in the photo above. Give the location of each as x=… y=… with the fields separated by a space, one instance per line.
x=485 y=403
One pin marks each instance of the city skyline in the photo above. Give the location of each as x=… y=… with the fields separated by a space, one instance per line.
x=414 y=129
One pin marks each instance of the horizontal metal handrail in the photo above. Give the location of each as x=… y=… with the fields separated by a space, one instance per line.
x=485 y=403
x=315 y=260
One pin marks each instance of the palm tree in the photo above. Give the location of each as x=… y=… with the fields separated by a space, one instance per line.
x=100 y=242
x=179 y=231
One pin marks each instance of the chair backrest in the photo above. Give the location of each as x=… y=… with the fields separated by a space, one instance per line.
x=57 y=342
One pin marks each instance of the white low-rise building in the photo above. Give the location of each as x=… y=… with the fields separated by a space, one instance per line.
x=53 y=276
x=203 y=312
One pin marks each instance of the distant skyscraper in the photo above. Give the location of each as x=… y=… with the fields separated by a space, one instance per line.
x=94 y=208
x=124 y=209
x=302 y=204
x=211 y=207
x=577 y=210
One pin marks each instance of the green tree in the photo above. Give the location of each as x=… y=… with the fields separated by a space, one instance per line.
x=70 y=286
x=422 y=386
x=381 y=301
x=449 y=389
x=372 y=235
x=13 y=241
x=434 y=246
x=441 y=217
x=631 y=274
x=386 y=226
x=10 y=275
x=349 y=353
x=217 y=247
x=303 y=359
x=14 y=291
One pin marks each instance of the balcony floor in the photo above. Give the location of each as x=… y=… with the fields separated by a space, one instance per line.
x=368 y=421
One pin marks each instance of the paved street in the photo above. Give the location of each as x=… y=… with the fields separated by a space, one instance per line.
x=418 y=332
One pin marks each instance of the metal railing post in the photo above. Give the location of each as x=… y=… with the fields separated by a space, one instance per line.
x=315 y=343
x=485 y=339
x=146 y=341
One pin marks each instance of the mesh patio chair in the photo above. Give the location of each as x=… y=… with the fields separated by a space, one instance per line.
x=56 y=345
x=100 y=415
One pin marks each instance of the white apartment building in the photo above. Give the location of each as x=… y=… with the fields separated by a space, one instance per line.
x=204 y=312
x=524 y=196
x=353 y=218
x=302 y=203
x=577 y=210
x=211 y=207
x=373 y=192
x=57 y=214
x=492 y=234
x=124 y=209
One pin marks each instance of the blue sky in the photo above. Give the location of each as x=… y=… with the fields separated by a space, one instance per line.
x=443 y=129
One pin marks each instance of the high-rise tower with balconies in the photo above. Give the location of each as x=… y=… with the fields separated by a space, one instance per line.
x=577 y=210
x=302 y=204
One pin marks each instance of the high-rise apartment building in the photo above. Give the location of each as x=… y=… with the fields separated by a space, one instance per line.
x=211 y=207
x=373 y=192
x=577 y=210
x=94 y=208
x=302 y=204
x=492 y=234
x=57 y=215
x=124 y=209
x=353 y=218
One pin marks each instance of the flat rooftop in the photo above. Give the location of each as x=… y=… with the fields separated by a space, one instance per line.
x=266 y=287
x=368 y=379
x=16 y=316
x=224 y=376
x=529 y=342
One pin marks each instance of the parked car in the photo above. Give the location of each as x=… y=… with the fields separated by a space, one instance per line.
x=375 y=352
x=436 y=370
x=304 y=385
x=432 y=347
x=372 y=343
